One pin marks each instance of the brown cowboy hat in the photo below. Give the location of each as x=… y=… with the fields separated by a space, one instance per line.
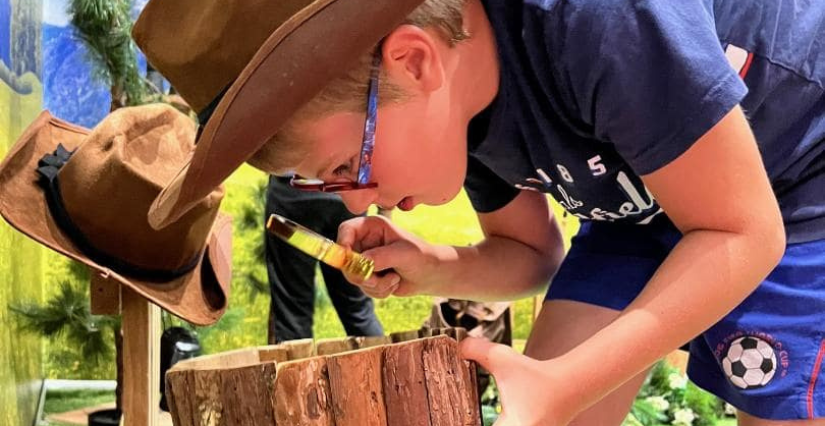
x=86 y=195
x=246 y=66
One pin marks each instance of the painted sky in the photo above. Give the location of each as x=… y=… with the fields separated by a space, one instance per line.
x=54 y=11
x=71 y=91
x=5 y=32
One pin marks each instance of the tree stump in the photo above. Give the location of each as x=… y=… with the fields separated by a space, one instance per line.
x=343 y=382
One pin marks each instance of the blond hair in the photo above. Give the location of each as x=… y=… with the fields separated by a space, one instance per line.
x=348 y=93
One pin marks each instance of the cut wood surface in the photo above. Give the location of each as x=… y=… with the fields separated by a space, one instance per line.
x=403 y=336
x=334 y=346
x=230 y=359
x=369 y=341
x=298 y=349
x=273 y=353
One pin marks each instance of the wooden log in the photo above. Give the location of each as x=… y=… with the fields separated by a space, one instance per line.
x=303 y=395
x=362 y=342
x=451 y=397
x=273 y=353
x=333 y=346
x=404 y=336
x=472 y=411
x=247 y=395
x=229 y=359
x=405 y=390
x=300 y=349
x=421 y=382
x=356 y=388
x=457 y=333
x=469 y=371
x=222 y=397
x=180 y=410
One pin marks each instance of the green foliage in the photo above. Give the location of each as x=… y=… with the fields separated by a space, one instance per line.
x=67 y=315
x=667 y=397
x=249 y=227
x=61 y=401
x=707 y=406
x=643 y=412
x=105 y=27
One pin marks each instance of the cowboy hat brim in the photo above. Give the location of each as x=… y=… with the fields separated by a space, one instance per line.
x=316 y=45
x=199 y=296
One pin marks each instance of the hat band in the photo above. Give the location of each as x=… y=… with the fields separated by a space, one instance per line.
x=48 y=167
x=206 y=113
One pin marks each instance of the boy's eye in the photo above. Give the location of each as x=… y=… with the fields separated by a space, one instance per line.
x=343 y=169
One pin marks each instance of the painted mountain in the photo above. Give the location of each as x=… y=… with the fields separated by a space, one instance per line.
x=72 y=91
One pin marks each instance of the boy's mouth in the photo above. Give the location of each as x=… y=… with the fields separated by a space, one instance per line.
x=406 y=204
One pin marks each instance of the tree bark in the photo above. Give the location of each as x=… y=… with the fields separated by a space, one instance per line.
x=303 y=394
x=356 y=388
x=405 y=390
x=421 y=382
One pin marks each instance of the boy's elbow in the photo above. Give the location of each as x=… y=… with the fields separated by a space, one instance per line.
x=775 y=242
x=553 y=257
x=770 y=238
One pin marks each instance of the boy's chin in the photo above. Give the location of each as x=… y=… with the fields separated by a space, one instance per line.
x=444 y=197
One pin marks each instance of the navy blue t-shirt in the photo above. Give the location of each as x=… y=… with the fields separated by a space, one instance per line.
x=595 y=93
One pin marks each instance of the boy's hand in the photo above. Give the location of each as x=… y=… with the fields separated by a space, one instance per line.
x=403 y=262
x=533 y=393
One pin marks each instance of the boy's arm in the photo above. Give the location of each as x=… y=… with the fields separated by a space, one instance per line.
x=719 y=195
x=522 y=249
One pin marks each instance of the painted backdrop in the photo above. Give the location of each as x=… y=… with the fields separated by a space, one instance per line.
x=21 y=269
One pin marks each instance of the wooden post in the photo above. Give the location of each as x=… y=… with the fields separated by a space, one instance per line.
x=140 y=327
x=141 y=360
x=104 y=296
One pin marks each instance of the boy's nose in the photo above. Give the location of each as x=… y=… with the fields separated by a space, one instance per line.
x=359 y=201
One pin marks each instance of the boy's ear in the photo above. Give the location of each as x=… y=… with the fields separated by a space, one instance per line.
x=412 y=59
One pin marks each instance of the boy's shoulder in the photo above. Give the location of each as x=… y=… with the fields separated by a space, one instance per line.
x=601 y=12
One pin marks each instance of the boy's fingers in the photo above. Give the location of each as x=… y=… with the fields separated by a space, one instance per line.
x=346 y=234
x=379 y=283
x=383 y=291
x=491 y=356
x=384 y=257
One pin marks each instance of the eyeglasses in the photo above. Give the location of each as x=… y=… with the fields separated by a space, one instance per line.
x=367 y=144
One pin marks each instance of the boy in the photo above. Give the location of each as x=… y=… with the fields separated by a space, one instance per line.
x=628 y=113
